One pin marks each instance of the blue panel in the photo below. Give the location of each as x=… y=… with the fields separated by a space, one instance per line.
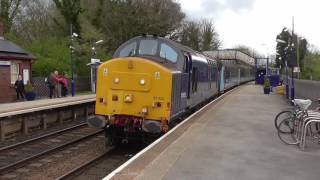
x=274 y=80
x=222 y=79
x=260 y=76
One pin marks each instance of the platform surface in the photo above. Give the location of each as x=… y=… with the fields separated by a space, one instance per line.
x=233 y=140
x=16 y=106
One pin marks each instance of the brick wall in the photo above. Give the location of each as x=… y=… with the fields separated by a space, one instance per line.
x=8 y=93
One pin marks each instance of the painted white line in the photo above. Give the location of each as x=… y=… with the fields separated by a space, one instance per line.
x=113 y=173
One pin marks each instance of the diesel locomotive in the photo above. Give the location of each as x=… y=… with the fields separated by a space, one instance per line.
x=151 y=82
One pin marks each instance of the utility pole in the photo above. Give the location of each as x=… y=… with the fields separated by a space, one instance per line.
x=71 y=61
x=292 y=73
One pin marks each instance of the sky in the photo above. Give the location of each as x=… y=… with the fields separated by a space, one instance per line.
x=256 y=23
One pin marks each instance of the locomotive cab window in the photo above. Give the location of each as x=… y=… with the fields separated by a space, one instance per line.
x=128 y=50
x=148 y=47
x=168 y=53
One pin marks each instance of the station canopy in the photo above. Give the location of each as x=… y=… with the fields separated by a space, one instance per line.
x=231 y=54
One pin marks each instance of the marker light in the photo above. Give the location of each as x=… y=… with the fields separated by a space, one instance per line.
x=144 y=110
x=116 y=80
x=142 y=82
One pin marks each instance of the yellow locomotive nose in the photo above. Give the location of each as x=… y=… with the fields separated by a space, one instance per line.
x=134 y=87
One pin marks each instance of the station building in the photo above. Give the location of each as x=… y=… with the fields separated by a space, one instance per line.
x=13 y=61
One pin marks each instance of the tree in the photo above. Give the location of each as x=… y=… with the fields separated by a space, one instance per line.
x=199 y=35
x=35 y=22
x=70 y=10
x=209 y=36
x=190 y=35
x=287 y=49
x=8 y=11
x=121 y=20
x=312 y=65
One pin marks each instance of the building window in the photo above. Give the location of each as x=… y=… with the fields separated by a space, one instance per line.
x=14 y=72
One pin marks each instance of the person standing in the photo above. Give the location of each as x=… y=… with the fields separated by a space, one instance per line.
x=50 y=84
x=53 y=82
x=58 y=84
x=64 y=82
x=19 y=86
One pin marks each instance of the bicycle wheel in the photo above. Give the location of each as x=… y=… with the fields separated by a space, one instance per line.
x=281 y=116
x=286 y=133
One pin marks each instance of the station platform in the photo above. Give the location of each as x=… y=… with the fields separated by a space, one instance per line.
x=234 y=138
x=17 y=107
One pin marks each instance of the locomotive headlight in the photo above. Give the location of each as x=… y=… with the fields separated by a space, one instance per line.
x=116 y=80
x=142 y=82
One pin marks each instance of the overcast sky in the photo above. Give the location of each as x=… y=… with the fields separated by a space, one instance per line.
x=256 y=23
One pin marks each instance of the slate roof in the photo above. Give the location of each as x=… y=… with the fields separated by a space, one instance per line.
x=9 y=50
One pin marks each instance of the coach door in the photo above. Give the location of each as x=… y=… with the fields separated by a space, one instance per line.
x=187 y=72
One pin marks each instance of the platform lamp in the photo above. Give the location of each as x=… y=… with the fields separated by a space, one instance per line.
x=267 y=63
x=72 y=36
x=94 y=65
x=286 y=65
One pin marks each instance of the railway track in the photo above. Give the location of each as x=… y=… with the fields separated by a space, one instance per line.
x=100 y=166
x=20 y=154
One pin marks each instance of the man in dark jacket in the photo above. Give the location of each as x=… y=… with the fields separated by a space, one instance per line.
x=19 y=86
x=50 y=83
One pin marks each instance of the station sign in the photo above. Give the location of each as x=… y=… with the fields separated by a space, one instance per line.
x=93 y=60
x=5 y=63
x=296 y=69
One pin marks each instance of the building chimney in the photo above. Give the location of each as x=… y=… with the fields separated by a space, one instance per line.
x=1 y=30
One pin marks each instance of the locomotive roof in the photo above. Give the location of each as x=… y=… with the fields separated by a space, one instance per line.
x=132 y=48
x=173 y=43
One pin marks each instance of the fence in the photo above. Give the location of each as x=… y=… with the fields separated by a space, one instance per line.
x=305 y=89
x=41 y=89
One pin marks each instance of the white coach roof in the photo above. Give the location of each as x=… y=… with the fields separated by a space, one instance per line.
x=231 y=54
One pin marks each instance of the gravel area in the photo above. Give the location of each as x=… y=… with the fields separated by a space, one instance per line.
x=58 y=163
x=16 y=138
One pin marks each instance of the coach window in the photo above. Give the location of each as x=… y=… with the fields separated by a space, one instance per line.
x=129 y=50
x=168 y=53
x=148 y=47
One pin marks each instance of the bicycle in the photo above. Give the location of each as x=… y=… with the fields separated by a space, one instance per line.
x=293 y=125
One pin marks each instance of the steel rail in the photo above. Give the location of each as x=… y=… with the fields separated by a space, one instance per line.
x=43 y=137
x=20 y=162
x=85 y=165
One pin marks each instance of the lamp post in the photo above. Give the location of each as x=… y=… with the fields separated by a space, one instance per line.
x=72 y=36
x=94 y=64
x=94 y=52
x=286 y=65
x=267 y=63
